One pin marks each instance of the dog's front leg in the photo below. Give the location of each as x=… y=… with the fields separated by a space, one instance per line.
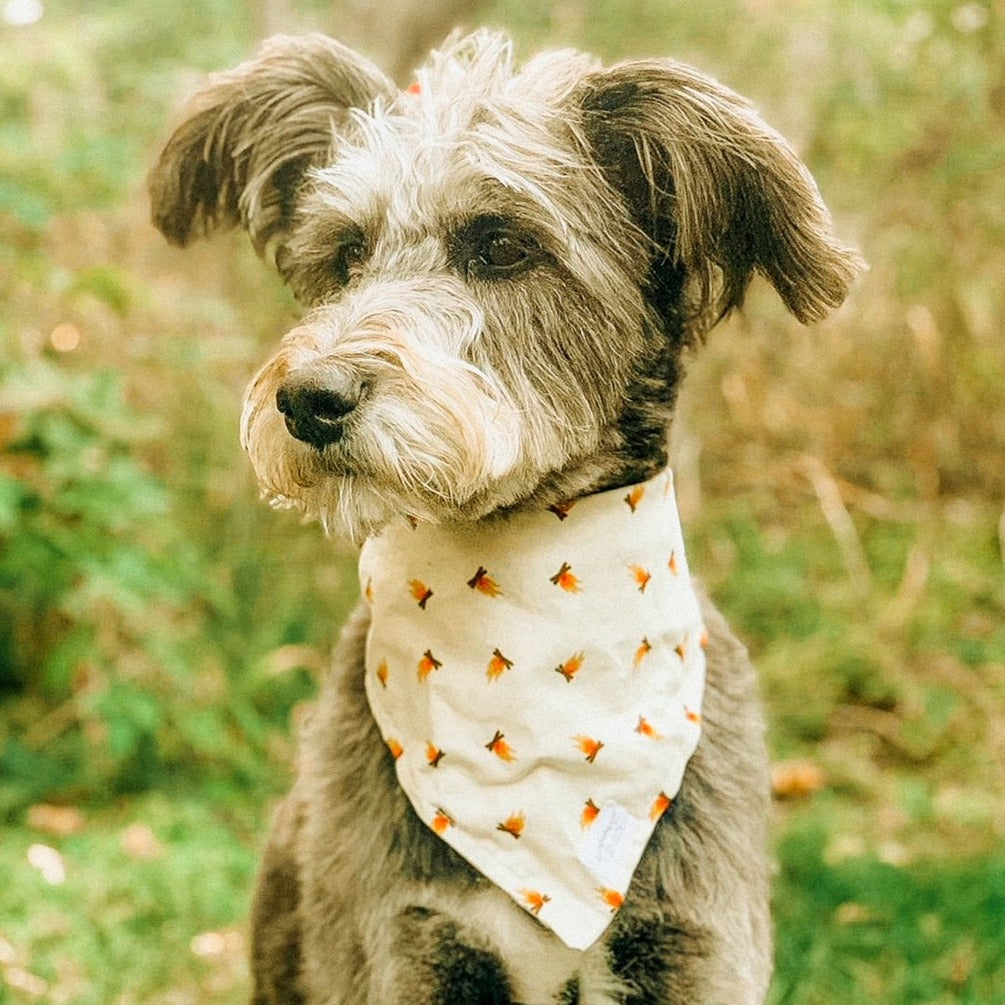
x=381 y=897
x=423 y=956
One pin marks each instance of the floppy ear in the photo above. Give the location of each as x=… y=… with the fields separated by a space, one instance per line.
x=720 y=193
x=250 y=135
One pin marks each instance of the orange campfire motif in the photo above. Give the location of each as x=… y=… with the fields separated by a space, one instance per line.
x=484 y=583
x=428 y=664
x=660 y=805
x=566 y=579
x=433 y=754
x=396 y=748
x=368 y=591
x=589 y=746
x=635 y=497
x=534 y=901
x=420 y=591
x=498 y=746
x=612 y=898
x=692 y=716
x=641 y=577
x=382 y=673
x=590 y=813
x=442 y=821
x=498 y=665
x=561 y=510
x=513 y=824
x=703 y=641
x=672 y=564
x=646 y=729
x=571 y=667
x=644 y=649
x=681 y=651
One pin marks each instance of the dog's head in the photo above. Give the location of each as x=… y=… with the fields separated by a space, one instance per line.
x=501 y=268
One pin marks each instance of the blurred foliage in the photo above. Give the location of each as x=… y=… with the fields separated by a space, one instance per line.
x=165 y=876
x=842 y=490
x=139 y=645
x=105 y=610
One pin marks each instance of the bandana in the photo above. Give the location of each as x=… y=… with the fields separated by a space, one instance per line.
x=539 y=682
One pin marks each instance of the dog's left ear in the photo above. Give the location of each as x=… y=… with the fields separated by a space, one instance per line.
x=720 y=193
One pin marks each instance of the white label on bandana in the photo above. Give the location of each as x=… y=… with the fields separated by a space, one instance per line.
x=538 y=681
x=602 y=850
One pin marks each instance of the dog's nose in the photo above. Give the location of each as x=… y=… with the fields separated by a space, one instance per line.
x=316 y=409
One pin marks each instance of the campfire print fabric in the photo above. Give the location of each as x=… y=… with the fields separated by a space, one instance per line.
x=538 y=681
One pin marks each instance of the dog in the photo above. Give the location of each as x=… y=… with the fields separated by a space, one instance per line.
x=503 y=270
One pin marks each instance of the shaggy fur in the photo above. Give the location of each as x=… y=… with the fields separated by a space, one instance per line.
x=502 y=269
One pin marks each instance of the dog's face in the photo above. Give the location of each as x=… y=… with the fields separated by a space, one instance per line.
x=501 y=268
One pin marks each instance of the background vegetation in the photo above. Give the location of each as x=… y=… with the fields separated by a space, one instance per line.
x=843 y=490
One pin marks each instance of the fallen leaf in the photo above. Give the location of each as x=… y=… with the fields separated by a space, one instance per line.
x=139 y=841
x=59 y=820
x=796 y=779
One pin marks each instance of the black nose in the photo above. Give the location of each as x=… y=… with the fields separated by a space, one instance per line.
x=315 y=412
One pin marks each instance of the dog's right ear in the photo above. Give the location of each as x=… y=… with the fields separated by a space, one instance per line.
x=251 y=134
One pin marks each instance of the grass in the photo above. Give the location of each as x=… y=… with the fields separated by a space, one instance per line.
x=148 y=909
x=861 y=929
x=841 y=487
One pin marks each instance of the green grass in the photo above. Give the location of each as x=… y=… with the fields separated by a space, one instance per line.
x=167 y=923
x=159 y=920
x=841 y=488
x=861 y=929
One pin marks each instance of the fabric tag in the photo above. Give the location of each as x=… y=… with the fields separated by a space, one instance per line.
x=603 y=848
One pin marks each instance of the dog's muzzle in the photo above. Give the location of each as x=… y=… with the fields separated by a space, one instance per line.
x=316 y=409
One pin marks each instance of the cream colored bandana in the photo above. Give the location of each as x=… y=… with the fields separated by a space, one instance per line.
x=539 y=682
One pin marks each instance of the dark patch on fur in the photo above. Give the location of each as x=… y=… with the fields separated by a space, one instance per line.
x=569 y=995
x=649 y=403
x=660 y=962
x=649 y=203
x=464 y=974
x=447 y=969
x=616 y=153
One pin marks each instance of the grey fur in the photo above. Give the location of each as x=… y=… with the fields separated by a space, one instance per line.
x=503 y=273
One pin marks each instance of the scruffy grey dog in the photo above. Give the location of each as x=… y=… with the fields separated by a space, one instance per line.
x=503 y=269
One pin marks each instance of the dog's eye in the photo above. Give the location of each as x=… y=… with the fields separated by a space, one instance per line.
x=504 y=252
x=352 y=252
x=492 y=247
